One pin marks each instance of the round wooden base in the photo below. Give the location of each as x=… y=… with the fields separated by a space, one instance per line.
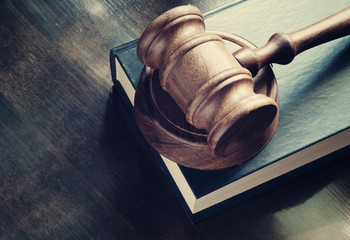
x=165 y=127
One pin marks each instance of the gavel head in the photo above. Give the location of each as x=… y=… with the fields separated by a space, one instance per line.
x=209 y=85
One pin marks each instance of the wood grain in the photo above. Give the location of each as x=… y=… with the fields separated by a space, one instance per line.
x=164 y=123
x=73 y=166
x=213 y=89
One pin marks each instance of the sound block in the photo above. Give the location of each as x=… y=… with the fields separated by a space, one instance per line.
x=164 y=125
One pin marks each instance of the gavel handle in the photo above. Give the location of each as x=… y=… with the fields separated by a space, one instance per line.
x=283 y=47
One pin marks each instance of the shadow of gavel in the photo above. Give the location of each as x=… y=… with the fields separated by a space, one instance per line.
x=213 y=87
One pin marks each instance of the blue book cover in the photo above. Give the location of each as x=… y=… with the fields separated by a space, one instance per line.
x=314 y=93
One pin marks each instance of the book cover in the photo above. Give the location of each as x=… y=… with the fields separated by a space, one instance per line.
x=314 y=106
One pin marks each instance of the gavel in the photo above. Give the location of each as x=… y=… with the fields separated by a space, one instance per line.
x=213 y=87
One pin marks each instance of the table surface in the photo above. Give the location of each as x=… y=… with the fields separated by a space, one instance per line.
x=72 y=164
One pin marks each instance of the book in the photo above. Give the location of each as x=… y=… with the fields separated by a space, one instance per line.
x=314 y=125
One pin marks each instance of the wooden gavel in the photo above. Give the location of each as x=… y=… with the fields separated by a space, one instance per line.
x=213 y=87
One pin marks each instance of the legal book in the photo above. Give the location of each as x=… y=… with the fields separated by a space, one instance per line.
x=314 y=93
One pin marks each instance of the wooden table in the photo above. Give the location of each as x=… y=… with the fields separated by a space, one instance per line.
x=72 y=164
